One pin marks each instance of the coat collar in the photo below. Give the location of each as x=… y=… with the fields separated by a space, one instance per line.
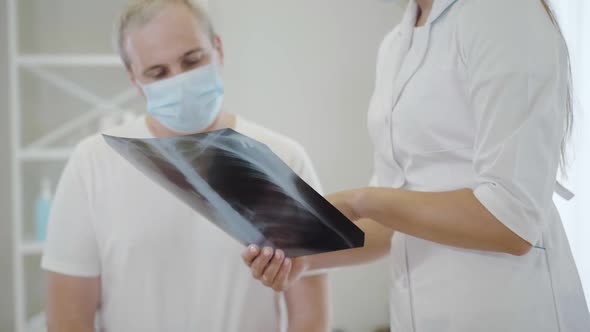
x=439 y=7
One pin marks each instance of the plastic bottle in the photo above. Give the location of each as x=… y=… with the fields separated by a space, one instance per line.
x=42 y=208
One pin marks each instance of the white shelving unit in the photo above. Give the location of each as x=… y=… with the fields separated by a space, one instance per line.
x=31 y=247
x=69 y=60
x=46 y=68
x=40 y=154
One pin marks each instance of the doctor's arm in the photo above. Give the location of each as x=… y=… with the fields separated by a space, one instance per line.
x=455 y=218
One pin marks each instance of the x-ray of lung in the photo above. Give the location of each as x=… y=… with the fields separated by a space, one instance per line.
x=241 y=186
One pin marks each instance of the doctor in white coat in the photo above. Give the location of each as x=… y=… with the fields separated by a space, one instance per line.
x=470 y=112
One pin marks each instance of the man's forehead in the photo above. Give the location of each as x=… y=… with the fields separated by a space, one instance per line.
x=161 y=43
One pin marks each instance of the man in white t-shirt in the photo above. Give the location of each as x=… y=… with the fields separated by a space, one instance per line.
x=125 y=255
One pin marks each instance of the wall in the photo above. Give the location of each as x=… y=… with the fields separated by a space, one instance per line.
x=5 y=223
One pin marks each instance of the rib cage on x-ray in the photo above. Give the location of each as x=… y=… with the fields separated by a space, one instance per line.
x=244 y=188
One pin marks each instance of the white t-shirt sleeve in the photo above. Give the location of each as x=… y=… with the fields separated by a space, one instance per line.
x=516 y=78
x=304 y=168
x=71 y=246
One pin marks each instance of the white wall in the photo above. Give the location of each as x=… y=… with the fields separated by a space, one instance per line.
x=302 y=67
x=306 y=68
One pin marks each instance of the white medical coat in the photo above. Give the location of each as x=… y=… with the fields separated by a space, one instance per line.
x=476 y=99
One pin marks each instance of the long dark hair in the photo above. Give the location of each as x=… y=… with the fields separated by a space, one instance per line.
x=569 y=106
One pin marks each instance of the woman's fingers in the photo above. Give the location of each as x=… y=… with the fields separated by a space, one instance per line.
x=261 y=262
x=273 y=268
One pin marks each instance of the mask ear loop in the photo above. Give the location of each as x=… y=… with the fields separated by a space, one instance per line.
x=216 y=62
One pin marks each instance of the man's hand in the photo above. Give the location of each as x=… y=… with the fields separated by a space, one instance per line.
x=272 y=268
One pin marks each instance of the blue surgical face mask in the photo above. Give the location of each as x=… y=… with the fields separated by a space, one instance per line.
x=186 y=103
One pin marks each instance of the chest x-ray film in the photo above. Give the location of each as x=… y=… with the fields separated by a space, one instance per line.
x=242 y=187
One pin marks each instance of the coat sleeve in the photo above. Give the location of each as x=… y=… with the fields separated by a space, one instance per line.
x=515 y=62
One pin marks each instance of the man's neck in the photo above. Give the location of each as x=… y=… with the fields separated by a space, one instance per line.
x=224 y=120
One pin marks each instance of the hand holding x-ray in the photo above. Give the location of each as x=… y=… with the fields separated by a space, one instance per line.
x=278 y=272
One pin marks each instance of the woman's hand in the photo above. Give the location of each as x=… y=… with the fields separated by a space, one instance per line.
x=272 y=268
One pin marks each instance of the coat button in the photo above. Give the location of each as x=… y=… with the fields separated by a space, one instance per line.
x=404 y=282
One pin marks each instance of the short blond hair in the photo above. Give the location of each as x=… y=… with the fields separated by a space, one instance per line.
x=140 y=12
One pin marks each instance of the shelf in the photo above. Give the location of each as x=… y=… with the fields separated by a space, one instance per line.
x=69 y=60
x=60 y=154
x=31 y=247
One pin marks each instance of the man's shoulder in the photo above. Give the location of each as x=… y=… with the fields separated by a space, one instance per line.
x=289 y=150
x=91 y=145
x=94 y=148
x=281 y=144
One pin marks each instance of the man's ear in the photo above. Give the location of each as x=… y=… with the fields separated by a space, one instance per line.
x=218 y=45
x=135 y=82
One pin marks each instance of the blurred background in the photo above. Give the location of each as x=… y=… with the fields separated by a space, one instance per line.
x=304 y=68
